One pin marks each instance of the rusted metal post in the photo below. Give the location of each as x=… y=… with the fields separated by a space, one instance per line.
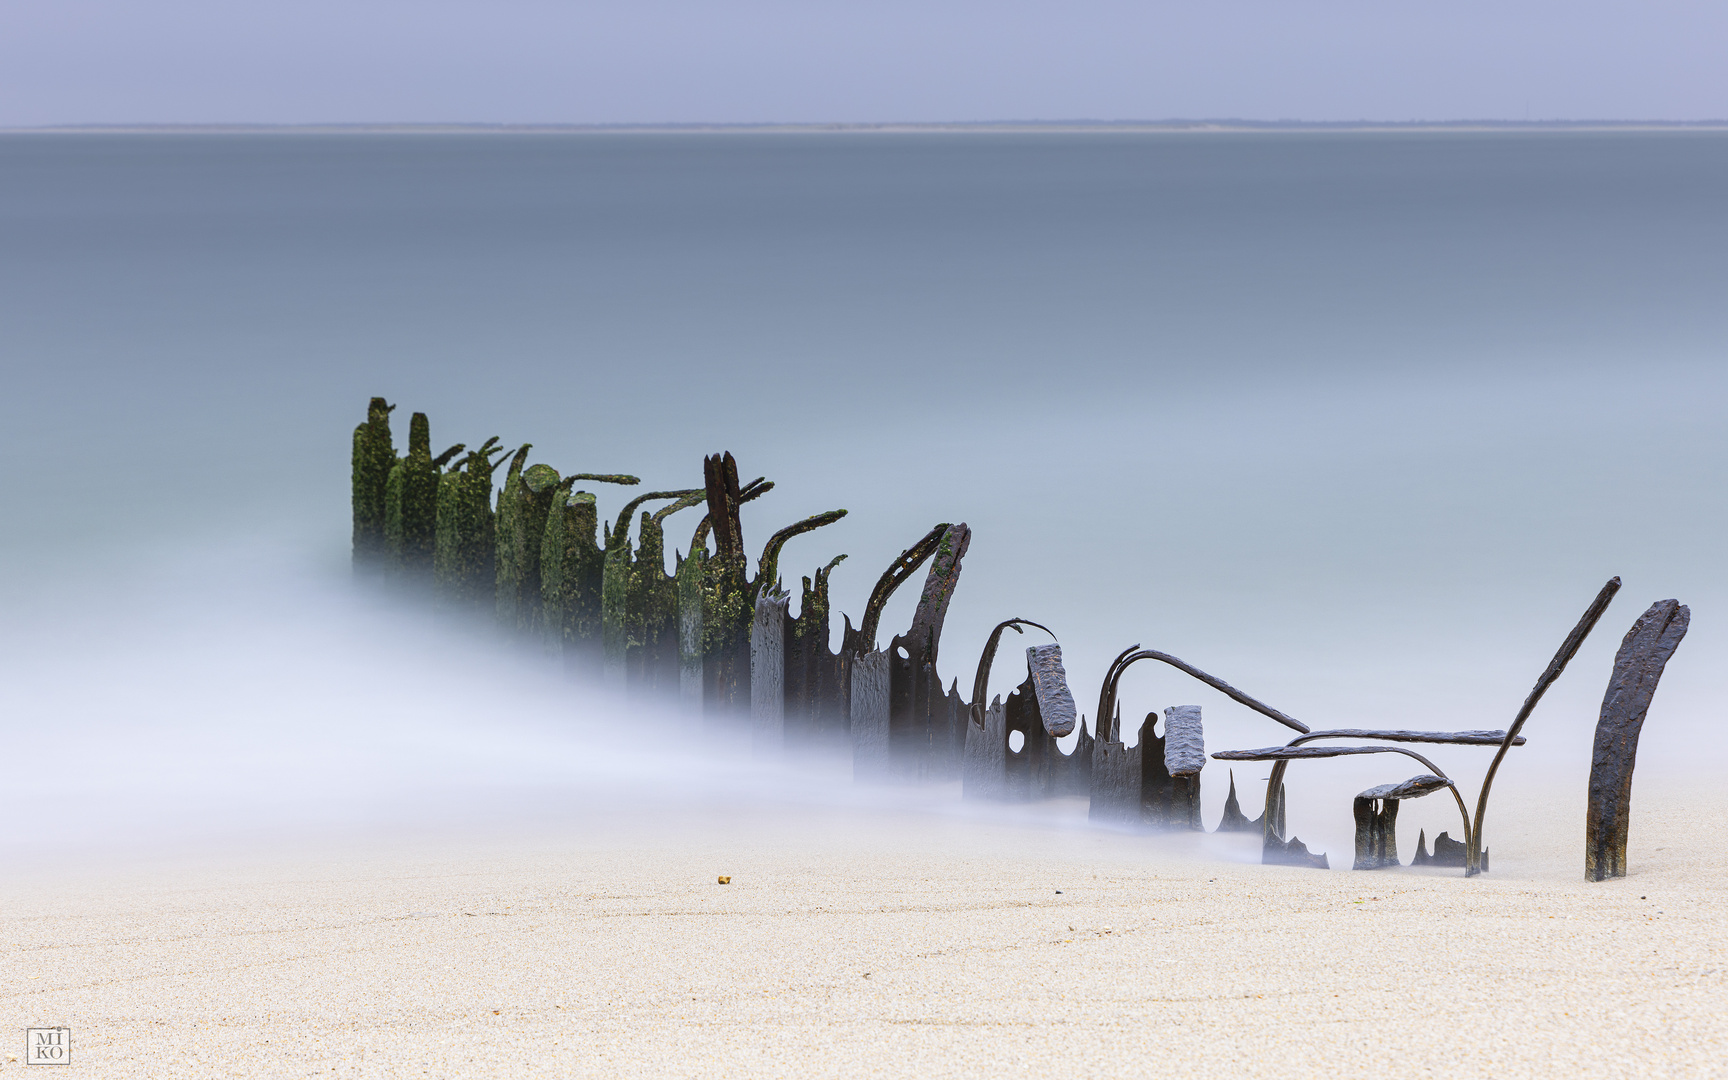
x=1638 y=667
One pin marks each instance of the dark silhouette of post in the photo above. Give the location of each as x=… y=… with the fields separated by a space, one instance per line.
x=1638 y=668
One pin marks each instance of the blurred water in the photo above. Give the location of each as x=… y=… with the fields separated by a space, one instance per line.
x=1358 y=422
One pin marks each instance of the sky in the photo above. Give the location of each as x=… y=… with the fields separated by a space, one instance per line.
x=775 y=61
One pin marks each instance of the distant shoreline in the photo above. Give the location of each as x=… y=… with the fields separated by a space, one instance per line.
x=1150 y=127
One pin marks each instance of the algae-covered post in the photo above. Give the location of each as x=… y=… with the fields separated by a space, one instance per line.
x=418 y=513
x=623 y=618
x=729 y=593
x=464 y=565
x=373 y=457
x=654 y=664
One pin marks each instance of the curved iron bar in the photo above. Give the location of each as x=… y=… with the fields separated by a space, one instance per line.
x=1107 y=696
x=1102 y=725
x=981 y=681
x=1568 y=649
x=1283 y=757
x=768 y=566
x=1439 y=738
x=623 y=526
x=518 y=460
x=893 y=577
x=684 y=503
x=606 y=478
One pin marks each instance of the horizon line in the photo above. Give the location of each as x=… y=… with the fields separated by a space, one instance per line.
x=1026 y=126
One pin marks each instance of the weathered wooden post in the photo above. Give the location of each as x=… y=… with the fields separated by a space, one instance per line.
x=984 y=769
x=465 y=565
x=411 y=506
x=927 y=735
x=1184 y=757
x=526 y=504
x=729 y=593
x=659 y=667
x=1638 y=667
x=869 y=717
x=373 y=458
x=768 y=672
x=816 y=702
x=691 y=570
x=622 y=599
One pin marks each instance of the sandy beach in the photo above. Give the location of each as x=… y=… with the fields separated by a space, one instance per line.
x=857 y=944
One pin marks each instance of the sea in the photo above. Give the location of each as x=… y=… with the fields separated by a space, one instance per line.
x=1357 y=421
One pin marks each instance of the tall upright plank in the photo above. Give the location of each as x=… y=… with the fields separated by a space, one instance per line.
x=869 y=716
x=768 y=672
x=1638 y=668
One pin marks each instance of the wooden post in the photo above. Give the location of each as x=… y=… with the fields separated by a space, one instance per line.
x=768 y=672
x=982 y=770
x=869 y=716
x=1638 y=668
x=690 y=631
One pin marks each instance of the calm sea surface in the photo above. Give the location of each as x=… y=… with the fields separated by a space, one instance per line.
x=1358 y=421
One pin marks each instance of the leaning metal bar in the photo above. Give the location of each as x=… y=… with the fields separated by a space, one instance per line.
x=1455 y=738
x=1284 y=754
x=1478 y=738
x=1101 y=728
x=1214 y=682
x=1568 y=649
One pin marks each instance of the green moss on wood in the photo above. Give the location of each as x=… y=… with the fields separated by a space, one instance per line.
x=373 y=456
x=393 y=491
x=419 y=505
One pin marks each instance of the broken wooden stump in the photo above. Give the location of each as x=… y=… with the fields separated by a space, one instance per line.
x=1447 y=852
x=1234 y=820
x=1292 y=852
x=1376 y=813
x=1638 y=666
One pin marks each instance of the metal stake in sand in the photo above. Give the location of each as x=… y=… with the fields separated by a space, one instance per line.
x=1638 y=667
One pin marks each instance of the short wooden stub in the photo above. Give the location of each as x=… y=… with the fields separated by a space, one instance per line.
x=1376 y=812
x=1376 y=833
x=1637 y=669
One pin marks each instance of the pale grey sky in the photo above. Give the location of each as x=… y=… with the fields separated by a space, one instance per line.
x=656 y=61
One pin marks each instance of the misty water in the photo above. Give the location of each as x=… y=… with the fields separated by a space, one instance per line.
x=1359 y=422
